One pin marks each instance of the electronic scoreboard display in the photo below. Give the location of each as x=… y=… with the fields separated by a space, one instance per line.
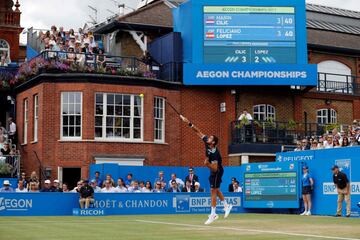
x=271 y=185
x=249 y=35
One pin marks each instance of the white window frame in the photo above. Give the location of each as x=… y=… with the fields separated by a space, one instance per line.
x=36 y=117
x=5 y=47
x=326 y=116
x=266 y=113
x=132 y=116
x=162 y=139
x=61 y=117
x=26 y=119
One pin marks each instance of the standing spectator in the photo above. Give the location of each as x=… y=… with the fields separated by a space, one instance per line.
x=47 y=187
x=231 y=185
x=86 y=195
x=94 y=185
x=101 y=58
x=12 y=131
x=148 y=187
x=198 y=188
x=343 y=188
x=2 y=141
x=174 y=187
x=128 y=180
x=135 y=188
x=21 y=187
x=23 y=179
x=56 y=186
x=188 y=187
x=237 y=187
x=307 y=187
x=6 y=187
x=98 y=180
x=161 y=179
x=108 y=187
x=192 y=177
x=65 y=188
x=158 y=188
x=121 y=186
x=179 y=182
x=245 y=116
x=5 y=151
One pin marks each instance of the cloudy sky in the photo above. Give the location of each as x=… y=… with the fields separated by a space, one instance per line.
x=41 y=14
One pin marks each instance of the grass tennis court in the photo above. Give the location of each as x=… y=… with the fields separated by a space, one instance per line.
x=237 y=226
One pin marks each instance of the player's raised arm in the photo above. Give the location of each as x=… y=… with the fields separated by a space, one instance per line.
x=197 y=130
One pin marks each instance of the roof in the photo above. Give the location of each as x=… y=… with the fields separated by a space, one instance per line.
x=121 y=25
x=332 y=11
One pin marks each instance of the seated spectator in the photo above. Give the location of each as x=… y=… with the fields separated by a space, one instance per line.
x=34 y=179
x=2 y=141
x=86 y=195
x=328 y=143
x=108 y=187
x=33 y=187
x=109 y=178
x=336 y=143
x=320 y=143
x=158 y=188
x=187 y=187
x=6 y=187
x=305 y=145
x=65 y=188
x=78 y=186
x=135 y=188
x=142 y=185
x=121 y=186
x=56 y=186
x=179 y=182
x=161 y=179
x=47 y=186
x=314 y=145
x=98 y=180
x=174 y=187
x=298 y=146
x=71 y=56
x=21 y=187
x=198 y=188
x=128 y=180
x=237 y=188
x=357 y=136
x=23 y=179
x=231 y=185
x=148 y=187
x=345 y=142
x=245 y=116
x=192 y=177
x=94 y=185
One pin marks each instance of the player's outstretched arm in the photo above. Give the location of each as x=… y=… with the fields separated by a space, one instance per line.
x=196 y=130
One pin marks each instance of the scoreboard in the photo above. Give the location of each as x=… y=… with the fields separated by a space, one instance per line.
x=271 y=185
x=250 y=35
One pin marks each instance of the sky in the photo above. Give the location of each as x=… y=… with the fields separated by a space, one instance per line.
x=42 y=14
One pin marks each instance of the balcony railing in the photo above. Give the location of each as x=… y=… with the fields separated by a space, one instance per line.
x=338 y=83
x=10 y=165
x=9 y=18
x=286 y=133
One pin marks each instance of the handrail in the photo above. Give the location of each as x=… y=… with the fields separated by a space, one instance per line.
x=41 y=166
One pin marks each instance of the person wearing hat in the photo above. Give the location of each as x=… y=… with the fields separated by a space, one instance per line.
x=71 y=56
x=307 y=186
x=94 y=185
x=56 y=186
x=197 y=187
x=343 y=188
x=6 y=187
x=86 y=195
x=231 y=185
x=47 y=186
x=192 y=177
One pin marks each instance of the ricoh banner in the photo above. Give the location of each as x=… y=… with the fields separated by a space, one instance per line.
x=58 y=204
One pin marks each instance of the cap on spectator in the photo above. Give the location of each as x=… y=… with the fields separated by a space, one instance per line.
x=6 y=183
x=233 y=179
x=197 y=184
x=305 y=167
x=71 y=46
x=173 y=181
x=52 y=42
x=334 y=167
x=56 y=181
x=93 y=181
x=47 y=181
x=191 y=169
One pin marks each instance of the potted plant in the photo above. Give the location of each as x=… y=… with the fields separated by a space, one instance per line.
x=5 y=170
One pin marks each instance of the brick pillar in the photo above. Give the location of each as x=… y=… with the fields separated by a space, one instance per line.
x=298 y=109
x=356 y=109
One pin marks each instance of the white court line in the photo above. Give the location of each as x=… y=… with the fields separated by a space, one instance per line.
x=248 y=230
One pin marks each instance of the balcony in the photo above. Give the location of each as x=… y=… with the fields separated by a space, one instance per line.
x=337 y=83
x=9 y=18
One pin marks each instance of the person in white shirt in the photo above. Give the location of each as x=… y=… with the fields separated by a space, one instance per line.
x=108 y=187
x=148 y=187
x=21 y=187
x=179 y=182
x=245 y=115
x=237 y=188
x=94 y=185
x=328 y=143
x=135 y=188
x=12 y=130
x=121 y=186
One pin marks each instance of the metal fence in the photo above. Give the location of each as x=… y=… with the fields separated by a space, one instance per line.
x=10 y=165
x=338 y=83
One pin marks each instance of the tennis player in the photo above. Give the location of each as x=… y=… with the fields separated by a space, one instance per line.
x=213 y=161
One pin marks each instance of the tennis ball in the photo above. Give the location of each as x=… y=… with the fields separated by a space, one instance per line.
x=141 y=95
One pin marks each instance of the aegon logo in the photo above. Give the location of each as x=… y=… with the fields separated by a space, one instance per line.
x=9 y=204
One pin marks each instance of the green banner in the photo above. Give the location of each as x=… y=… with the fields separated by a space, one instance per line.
x=247 y=9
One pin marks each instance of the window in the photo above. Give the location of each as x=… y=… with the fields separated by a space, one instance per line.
x=118 y=116
x=71 y=111
x=159 y=117
x=326 y=116
x=36 y=117
x=4 y=53
x=263 y=112
x=26 y=114
x=334 y=76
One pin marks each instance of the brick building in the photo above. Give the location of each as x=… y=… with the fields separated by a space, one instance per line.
x=69 y=120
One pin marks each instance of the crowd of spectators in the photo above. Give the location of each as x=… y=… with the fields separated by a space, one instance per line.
x=335 y=139
x=8 y=142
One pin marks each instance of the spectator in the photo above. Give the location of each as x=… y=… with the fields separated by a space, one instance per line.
x=307 y=187
x=198 y=188
x=188 y=187
x=6 y=187
x=158 y=188
x=108 y=187
x=237 y=187
x=128 y=180
x=142 y=186
x=65 y=188
x=321 y=143
x=148 y=187
x=109 y=178
x=345 y=142
x=305 y=144
x=231 y=185
x=94 y=185
x=314 y=145
x=56 y=186
x=245 y=116
x=343 y=188
x=336 y=143
x=298 y=146
x=47 y=186
x=161 y=179
x=78 y=186
x=21 y=187
x=192 y=177
x=179 y=182
x=34 y=179
x=2 y=141
x=357 y=136
x=328 y=143
x=135 y=188
x=86 y=195
x=174 y=187
x=98 y=180
x=71 y=56
x=23 y=179
x=101 y=59
x=33 y=187
x=121 y=186
x=5 y=151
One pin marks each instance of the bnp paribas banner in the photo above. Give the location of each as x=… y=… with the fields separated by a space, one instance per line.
x=58 y=204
